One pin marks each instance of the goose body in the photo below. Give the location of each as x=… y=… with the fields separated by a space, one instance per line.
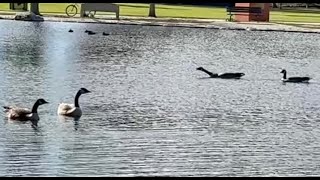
x=105 y=34
x=91 y=33
x=70 y=30
x=222 y=75
x=69 y=110
x=230 y=75
x=293 y=79
x=72 y=110
x=24 y=114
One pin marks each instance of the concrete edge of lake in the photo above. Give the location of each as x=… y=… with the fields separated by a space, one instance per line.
x=179 y=22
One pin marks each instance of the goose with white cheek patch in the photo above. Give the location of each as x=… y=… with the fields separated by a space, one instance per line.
x=24 y=114
x=294 y=79
x=72 y=110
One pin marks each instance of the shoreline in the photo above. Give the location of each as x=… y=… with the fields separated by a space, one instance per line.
x=177 y=22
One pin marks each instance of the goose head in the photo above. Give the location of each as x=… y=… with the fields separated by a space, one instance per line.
x=41 y=101
x=283 y=71
x=84 y=91
x=200 y=68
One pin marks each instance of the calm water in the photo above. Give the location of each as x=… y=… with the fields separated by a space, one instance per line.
x=150 y=112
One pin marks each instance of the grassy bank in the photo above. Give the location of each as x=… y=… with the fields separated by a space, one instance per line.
x=182 y=11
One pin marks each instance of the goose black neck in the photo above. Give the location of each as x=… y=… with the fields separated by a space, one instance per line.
x=285 y=75
x=35 y=107
x=208 y=72
x=76 y=99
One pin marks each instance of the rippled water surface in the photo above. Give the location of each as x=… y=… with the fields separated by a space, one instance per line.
x=150 y=112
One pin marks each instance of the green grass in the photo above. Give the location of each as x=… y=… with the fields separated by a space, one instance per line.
x=142 y=10
x=183 y=11
x=295 y=16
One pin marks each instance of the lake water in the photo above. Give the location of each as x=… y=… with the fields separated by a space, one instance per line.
x=151 y=113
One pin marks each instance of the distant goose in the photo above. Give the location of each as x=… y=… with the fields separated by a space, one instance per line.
x=105 y=34
x=72 y=110
x=24 y=114
x=293 y=79
x=70 y=30
x=222 y=75
x=91 y=32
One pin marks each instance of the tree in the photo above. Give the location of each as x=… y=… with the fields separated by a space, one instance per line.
x=274 y=5
x=152 y=10
x=35 y=8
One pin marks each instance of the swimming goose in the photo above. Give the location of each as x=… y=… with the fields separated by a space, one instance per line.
x=24 y=114
x=293 y=79
x=70 y=30
x=91 y=32
x=222 y=75
x=72 y=110
x=105 y=34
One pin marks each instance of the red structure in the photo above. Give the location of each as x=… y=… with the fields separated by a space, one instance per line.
x=246 y=17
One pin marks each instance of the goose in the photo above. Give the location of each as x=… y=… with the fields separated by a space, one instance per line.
x=70 y=30
x=91 y=32
x=222 y=75
x=24 y=114
x=293 y=79
x=105 y=34
x=72 y=110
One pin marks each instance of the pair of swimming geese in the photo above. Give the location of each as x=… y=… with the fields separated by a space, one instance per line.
x=24 y=114
x=239 y=75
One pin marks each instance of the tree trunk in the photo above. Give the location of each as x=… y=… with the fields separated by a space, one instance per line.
x=152 y=10
x=35 y=8
x=274 y=5
x=280 y=5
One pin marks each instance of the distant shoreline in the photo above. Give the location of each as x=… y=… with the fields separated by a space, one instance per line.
x=179 y=22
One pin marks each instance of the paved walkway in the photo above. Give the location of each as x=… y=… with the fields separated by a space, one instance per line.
x=180 y=22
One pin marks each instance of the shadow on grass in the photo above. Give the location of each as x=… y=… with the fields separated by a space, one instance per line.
x=302 y=16
x=147 y=7
x=54 y=12
x=313 y=11
x=174 y=7
x=195 y=6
